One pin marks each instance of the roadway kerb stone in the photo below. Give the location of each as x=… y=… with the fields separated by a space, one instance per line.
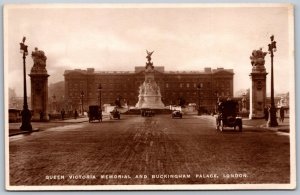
x=45 y=125
x=16 y=131
x=13 y=132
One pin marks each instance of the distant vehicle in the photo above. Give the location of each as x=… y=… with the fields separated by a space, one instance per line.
x=228 y=116
x=95 y=113
x=14 y=115
x=147 y=112
x=115 y=114
x=177 y=114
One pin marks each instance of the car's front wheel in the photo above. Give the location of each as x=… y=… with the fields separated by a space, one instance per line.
x=221 y=125
x=240 y=127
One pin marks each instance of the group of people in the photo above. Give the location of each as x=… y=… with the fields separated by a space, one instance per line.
x=281 y=113
x=63 y=114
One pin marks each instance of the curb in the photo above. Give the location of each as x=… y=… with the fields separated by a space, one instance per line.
x=24 y=132
x=70 y=121
x=37 y=129
x=285 y=130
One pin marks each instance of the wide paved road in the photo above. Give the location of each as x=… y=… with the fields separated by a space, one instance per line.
x=156 y=150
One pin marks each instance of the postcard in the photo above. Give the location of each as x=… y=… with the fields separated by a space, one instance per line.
x=149 y=96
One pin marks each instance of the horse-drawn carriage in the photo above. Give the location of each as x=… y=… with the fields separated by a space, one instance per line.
x=228 y=116
x=95 y=113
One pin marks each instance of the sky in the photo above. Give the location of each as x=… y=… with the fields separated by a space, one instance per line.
x=116 y=39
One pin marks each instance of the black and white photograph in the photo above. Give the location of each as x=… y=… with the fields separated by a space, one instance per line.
x=149 y=96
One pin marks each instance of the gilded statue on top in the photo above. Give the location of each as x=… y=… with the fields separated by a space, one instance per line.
x=149 y=63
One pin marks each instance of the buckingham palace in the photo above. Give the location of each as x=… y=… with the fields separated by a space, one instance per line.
x=192 y=87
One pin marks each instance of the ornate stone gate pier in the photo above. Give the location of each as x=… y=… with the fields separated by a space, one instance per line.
x=39 y=86
x=258 y=88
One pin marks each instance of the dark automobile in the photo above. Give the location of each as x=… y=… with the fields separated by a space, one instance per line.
x=95 y=113
x=177 y=114
x=228 y=116
x=147 y=112
x=115 y=114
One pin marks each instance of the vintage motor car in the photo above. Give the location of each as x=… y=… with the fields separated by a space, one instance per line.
x=95 y=113
x=115 y=114
x=177 y=114
x=228 y=116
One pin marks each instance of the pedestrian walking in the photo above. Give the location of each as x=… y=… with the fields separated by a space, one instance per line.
x=41 y=115
x=282 y=114
x=62 y=114
x=75 y=114
x=266 y=113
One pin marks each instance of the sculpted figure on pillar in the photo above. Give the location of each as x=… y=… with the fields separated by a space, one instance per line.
x=149 y=63
x=39 y=61
x=258 y=59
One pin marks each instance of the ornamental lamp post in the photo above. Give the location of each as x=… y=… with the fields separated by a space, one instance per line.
x=217 y=101
x=199 y=86
x=99 y=91
x=82 y=95
x=54 y=103
x=272 y=122
x=26 y=114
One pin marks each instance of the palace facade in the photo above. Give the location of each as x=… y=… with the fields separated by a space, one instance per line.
x=81 y=86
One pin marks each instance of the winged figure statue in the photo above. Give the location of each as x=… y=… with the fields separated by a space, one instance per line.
x=149 y=55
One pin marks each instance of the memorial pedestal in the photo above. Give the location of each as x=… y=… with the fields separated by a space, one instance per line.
x=149 y=93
